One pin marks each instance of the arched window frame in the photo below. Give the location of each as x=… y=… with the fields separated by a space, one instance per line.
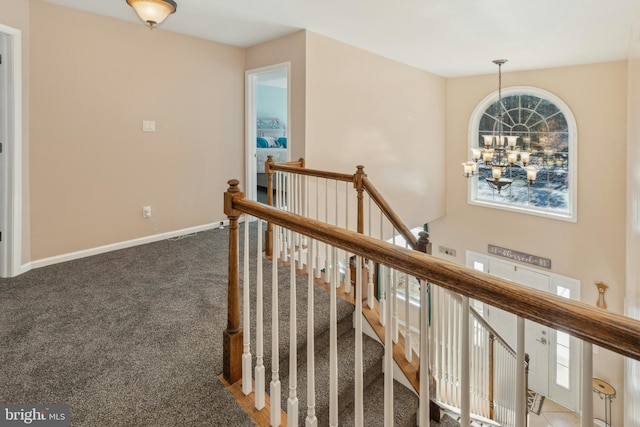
x=569 y=215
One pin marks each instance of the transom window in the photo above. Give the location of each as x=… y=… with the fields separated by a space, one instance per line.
x=545 y=128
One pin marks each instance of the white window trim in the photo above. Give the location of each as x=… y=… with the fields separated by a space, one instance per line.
x=572 y=215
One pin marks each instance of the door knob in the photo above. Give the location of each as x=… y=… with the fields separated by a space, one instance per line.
x=542 y=340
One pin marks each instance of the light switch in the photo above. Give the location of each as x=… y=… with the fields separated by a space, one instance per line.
x=148 y=126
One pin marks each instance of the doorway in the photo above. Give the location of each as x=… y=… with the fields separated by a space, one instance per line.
x=268 y=125
x=10 y=151
x=554 y=356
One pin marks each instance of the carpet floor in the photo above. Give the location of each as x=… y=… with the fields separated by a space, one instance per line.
x=132 y=337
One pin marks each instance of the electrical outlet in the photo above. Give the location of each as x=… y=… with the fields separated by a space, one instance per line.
x=146 y=212
x=447 y=251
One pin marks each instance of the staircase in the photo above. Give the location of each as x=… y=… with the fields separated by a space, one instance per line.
x=405 y=402
x=309 y=244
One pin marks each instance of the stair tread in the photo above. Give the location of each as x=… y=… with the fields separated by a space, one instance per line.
x=405 y=406
x=321 y=316
x=372 y=367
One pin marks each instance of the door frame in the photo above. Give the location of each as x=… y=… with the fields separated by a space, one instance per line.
x=573 y=401
x=251 y=80
x=11 y=158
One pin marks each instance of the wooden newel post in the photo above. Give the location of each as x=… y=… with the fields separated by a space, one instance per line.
x=232 y=337
x=358 y=184
x=268 y=234
x=424 y=245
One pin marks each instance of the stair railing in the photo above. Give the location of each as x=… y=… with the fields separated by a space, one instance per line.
x=492 y=360
x=608 y=330
x=294 y=188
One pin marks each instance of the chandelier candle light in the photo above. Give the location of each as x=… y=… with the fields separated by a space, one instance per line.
x=497 y=157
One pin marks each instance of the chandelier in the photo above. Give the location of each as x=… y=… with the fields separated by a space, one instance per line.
x=494 y=160
x=153 y=12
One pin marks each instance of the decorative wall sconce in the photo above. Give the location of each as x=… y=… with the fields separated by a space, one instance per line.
x=602 y=288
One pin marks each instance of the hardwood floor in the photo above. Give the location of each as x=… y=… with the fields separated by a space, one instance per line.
x=554 y=415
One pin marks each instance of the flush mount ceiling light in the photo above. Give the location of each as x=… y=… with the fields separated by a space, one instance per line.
x=153 y=12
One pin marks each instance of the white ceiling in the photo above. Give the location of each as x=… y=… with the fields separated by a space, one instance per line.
x=446 y=37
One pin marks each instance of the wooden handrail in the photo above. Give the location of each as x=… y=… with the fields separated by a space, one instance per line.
x=287 y=167
x=361 y=184
x=608 y=330
x=388 y=212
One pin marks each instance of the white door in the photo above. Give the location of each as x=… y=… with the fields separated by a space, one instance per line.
x=553 y=355
x=536 y=336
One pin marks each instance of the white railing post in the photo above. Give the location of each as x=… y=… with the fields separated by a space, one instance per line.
x=259 y=369
x=358 y=388
x=292 y=402
x=394 y=306
x=384 y=281
x=521 y=393
x=370 y=292
x=465 y=390
x=587 y=384
x=425 y=396
x=311 y=420
x=247 y=382
x=275 y=337
x=408 y=336
x=333 y=357
x=388 y=360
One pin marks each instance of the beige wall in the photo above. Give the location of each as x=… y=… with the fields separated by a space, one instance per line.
x=593 y=249
x=15 y=14
x=632 y=389
x=94 y=79
x=366 y=109
x=292 y=49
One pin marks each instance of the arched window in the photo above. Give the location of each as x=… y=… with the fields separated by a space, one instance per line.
x=545 y=128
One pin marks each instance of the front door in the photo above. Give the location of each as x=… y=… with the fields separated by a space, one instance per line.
x=553 y=355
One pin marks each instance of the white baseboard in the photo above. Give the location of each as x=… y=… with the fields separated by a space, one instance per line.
x=121 y=245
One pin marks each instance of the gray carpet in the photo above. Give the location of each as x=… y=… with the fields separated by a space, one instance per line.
x=129 y=338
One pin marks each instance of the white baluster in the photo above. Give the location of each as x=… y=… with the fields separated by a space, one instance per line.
x=394 y=306
x=327 y=263
x=587 y=384
x=247 y=382
x=259 y=369
x=465 y=406
x=521 y=393
x=388 y=361
x=408 y=336
x=423 y=415
x=333 y=358
x=384 y=282
x=358 y=387
x=318 y=269
x=370 y=293
x=311 y=420
x=347 y=274
x=346 y=209
x=292 y=402
x=275 y=338
x=456 y=353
